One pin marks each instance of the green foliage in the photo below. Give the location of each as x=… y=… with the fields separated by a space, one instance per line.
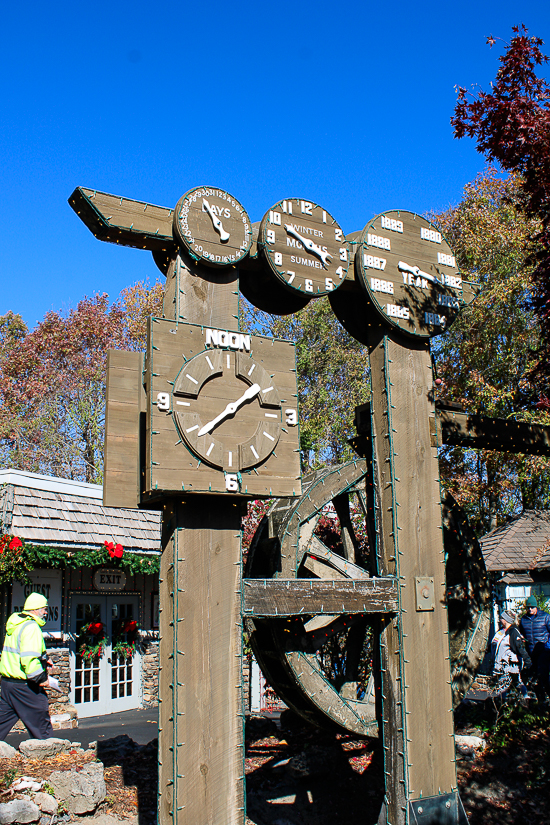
x=333 y=377
x=9 y=777
x=486 y=359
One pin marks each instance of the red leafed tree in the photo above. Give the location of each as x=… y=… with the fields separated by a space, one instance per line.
x=52 y=389
x=511 y=124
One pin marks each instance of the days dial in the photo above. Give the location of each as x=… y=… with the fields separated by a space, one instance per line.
x=212 y=226
x=304 y=247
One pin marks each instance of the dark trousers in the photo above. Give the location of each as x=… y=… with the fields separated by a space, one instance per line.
x=28 y=702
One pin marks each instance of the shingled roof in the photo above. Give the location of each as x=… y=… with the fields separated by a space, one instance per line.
x=521 y=544
x=57 y=512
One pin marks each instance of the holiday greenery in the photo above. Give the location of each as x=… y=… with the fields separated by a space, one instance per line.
x=91 y=640
x=125 y=639
x=18 y=558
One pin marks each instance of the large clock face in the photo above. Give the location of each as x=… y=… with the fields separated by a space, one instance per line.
x=212 y=226
x=228 y=409
x=222 y=412
x=409 y=272
x=304 y=247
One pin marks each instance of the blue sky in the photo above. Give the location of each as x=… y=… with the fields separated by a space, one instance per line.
x=346 y=104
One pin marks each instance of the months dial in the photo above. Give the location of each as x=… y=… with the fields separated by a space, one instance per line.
x=304 y=247
x=409 y=273
x=228 y=410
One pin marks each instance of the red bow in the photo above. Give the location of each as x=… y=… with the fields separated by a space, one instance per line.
x=115 y=550
x=129 y=627
x=95 y=628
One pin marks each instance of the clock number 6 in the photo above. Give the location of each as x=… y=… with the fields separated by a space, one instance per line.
x=231 y=483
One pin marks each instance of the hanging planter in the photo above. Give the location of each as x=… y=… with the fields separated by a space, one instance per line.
x=91 y=641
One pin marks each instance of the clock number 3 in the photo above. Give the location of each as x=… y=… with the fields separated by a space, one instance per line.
x=291 y=417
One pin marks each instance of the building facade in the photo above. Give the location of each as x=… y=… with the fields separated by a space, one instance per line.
x=102 y=628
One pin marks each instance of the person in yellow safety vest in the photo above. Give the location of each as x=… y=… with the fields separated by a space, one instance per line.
x=24 y=671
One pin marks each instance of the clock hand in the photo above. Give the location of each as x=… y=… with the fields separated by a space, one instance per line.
x=216 y=223
x=308 y=244
x=415 y=270
x=231 y=408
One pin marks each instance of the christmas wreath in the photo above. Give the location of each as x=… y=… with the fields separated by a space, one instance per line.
x=91 y=640
x=126 y=639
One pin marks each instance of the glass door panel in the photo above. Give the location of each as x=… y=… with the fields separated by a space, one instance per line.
x=87 y=682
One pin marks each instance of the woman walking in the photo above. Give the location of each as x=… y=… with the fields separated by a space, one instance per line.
x=508 y=648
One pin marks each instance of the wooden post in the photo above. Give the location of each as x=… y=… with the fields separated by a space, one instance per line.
x=415 y=663
x=201 y=723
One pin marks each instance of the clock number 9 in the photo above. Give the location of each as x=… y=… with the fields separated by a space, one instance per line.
x=231 y=482
x=291 y=417
x=270 y=236
x=163 y=401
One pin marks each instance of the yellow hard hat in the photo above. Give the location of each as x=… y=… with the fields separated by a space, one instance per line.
x=35 y=601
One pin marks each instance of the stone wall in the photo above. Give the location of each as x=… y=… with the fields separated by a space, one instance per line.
x=150 y=672
x=62 y=672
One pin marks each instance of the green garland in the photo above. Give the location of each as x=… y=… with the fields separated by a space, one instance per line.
x=16 y=564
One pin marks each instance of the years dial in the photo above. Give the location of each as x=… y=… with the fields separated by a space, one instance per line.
x=409 y=272
x=212 y=226
x=227 y=409
x=304 y=247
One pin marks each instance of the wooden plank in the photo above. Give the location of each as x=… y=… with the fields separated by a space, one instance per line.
x=124 y=402
x=416 y=691
x=461 y=429
x=201 y=713
x=503 y=434
x=201 y=722
x=294 y=597
x=124 y=221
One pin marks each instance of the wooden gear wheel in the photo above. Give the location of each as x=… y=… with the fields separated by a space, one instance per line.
x=324 y=667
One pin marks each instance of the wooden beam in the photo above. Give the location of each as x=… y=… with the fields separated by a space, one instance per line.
x=294 y=597
x=124 y=221
x=460 y=429
x=503 y=434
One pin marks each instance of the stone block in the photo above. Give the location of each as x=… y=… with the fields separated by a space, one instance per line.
x=6 y=751
x=46 y=803
x=43 y=748
x=19 y=810
x=82 y=791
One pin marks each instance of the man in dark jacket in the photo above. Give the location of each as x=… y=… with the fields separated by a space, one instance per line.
x=535 y=627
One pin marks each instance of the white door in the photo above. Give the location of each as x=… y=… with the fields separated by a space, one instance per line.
x=111 y=682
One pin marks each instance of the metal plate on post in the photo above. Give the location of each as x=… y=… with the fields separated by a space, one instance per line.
x=425 y=597
x=445 y=809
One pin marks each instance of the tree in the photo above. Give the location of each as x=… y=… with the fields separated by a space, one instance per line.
x=486 y=359
x=52 y=389
x=333 y=377
x=511 y=125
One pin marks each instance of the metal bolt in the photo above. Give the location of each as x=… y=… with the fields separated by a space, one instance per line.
x=447 y=804
x=420 y=810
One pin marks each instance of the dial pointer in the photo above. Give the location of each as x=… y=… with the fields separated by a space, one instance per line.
x=415 y=270
x=231 y=408
x=216 y=223
x=308 y=244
